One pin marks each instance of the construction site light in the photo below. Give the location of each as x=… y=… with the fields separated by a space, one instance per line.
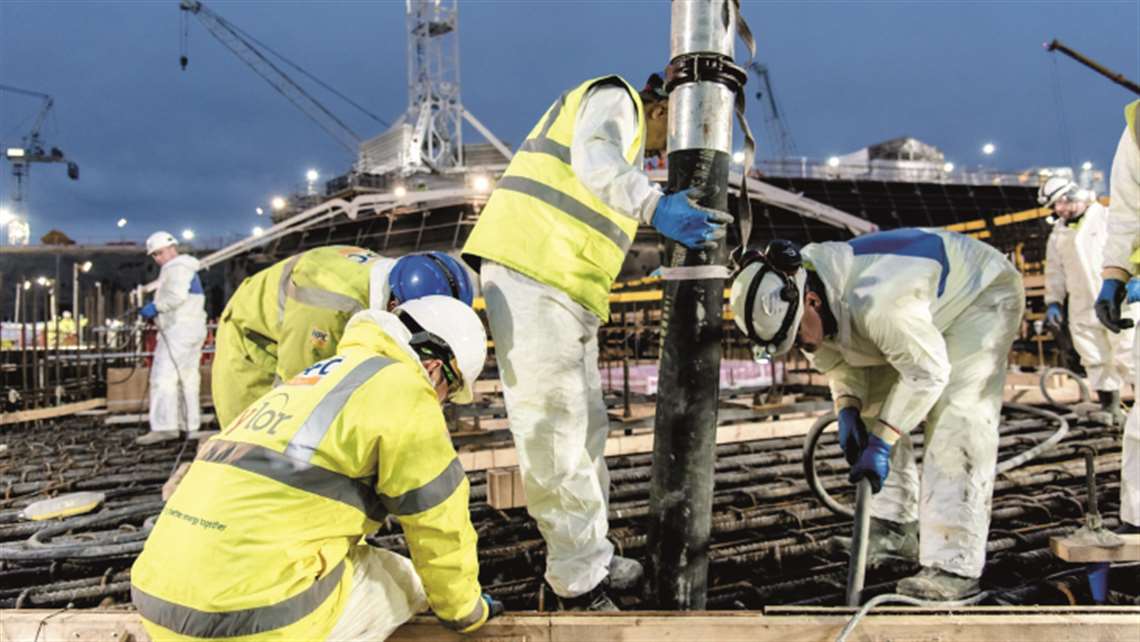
x=738 y=157
x=400 y=191
x=5 y=216
x=312 y=175
x=480 y=183
x=27 y=285
x=988 y=149
x=278 y=203
x=1087 y=165
x=42 y=280
x=86 y=266
x=833 y=161
x=16 y=152
x=948 y=167
x=187 y=235
x=260 y=211
x=122 y=223
x=257 y=231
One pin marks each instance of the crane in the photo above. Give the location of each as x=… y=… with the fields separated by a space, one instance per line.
x=777 y=128
x=30 y=150
x=257 y=55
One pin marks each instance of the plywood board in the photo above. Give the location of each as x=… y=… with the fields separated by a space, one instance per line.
x=1070 y=551
x=977 y=624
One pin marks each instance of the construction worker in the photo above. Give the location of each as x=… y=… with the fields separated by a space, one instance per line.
x=264 y=537
x=292 y=313
x=179 y=311
x=1121 y=261
x=908 y=325
x=1073 y=258
x=548 y=245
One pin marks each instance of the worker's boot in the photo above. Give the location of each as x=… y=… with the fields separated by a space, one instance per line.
x=157 y=437
x=1127 y=529
x=596 y=599
x=625 y=573
x=1110 y=413
x=888 y=542
x=936 y=584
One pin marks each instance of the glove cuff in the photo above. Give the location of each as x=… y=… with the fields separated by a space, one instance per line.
x=848 y=401
x=886 y=432
x=1120 y=274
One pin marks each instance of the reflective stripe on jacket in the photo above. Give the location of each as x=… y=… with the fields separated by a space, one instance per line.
x=543 y=222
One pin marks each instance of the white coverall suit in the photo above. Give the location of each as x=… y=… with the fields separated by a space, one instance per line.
x=925 y=323
x=1073 y=259
x=181 y=305
x=546 y=346
x=1123 y=240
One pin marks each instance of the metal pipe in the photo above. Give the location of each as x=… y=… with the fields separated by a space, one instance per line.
x=700 y=138
x=857 y=567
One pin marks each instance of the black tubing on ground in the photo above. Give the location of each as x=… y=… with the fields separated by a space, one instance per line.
x=812 y=441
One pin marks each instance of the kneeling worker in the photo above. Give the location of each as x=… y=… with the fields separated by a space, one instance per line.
x=263 y=539
x=292 y=314
x=908 y=325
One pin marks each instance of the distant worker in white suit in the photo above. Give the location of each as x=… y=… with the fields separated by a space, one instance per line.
x=1122 y=261
x=179 y=311
x=1073 y=259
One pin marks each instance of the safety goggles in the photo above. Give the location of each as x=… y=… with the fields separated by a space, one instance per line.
x=431 y=346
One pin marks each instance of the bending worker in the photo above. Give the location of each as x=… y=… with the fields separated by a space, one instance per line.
x=1121 y=261
x=292 y=313
x=548 y=246
x=908 y=325
x=1073 y=259
x=263 y=539
x=179 y=311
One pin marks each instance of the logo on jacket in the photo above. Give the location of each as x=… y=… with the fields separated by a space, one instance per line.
x=358 y=254
x=315 y=372
x=319 y=338
x=265 y=414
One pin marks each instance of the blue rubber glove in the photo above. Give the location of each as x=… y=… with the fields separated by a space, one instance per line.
x=874 y=463
x=1107 y=305
x=148 y=311
x=1133 y=289
x=852 y=433
x=1053 y=315
x=697 y=227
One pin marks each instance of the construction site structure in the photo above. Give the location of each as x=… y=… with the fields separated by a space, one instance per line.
x=15 y=228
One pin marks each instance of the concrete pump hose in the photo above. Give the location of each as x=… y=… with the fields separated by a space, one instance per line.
x=816 y=431
x=1085 y=395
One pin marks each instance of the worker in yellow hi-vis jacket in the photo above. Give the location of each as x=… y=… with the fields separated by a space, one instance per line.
x=292 y=313
x=263 y=540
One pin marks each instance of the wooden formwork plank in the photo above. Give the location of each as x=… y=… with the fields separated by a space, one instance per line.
x=963 y=625
x=506 y=457
x=1070 y=551
x=51 y=412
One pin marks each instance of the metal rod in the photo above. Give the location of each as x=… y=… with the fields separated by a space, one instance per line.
x=857 y=568
x=1115 y=77
x=681 y=491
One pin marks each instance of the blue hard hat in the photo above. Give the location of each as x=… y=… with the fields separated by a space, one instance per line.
x=419 y=275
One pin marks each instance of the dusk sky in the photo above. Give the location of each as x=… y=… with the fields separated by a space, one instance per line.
x=204 y=147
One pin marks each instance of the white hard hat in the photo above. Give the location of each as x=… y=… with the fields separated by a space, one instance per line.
x=1054 y=190
x=767 y=305
x=159 y=240
x=435 y=319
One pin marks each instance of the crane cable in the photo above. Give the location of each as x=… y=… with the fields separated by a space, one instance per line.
x=1062 y=122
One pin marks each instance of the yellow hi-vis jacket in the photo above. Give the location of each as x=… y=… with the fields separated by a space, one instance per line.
x=253 y=545
x=543 y=222
x=284 y=318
